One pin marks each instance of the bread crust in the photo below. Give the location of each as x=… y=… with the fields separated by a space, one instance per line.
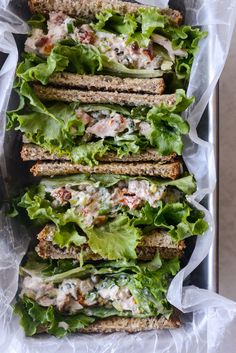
x=151 y=243
x=89 y=9
x=31 y=152
x=169 y=171
x=108 y=83
x=49 y=93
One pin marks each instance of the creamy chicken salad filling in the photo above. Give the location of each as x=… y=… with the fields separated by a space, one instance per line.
x=105 y=123
x=158 y=54
x=95 y=203
x=73 y=294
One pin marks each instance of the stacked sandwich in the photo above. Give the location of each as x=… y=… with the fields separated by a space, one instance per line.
x=101 y=93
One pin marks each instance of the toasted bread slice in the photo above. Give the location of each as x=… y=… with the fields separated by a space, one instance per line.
x=130 y=325
x=170 y=170
x=31 y=152
x=89 y=9
x=155 y=241
x=108 y=83
x=50 y=93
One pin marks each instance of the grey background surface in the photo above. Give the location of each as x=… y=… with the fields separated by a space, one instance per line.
x=227 y=178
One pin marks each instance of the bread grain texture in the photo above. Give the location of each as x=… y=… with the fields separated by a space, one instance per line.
x=32 y=152
x=108 y=83
x=151 y=243
x=89 y=9
x=49 y=93
x=131 y=325
x=169 y=171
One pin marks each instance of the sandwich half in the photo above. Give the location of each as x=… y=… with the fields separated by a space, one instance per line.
x=61 y=297
x=112 y=216
x=112 y=38
x=58 y=125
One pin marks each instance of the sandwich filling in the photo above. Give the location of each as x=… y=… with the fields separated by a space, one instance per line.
x=112 y=213
x=141 y=45
x=74 y=294
x=62 y=27
x=58 y=294
x=95 y=204
x=86 y=132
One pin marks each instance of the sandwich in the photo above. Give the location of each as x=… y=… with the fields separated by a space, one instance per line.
x=61 y=297
x=60 y=125
x=93 y=217
x=111 y=38
x=101 y=89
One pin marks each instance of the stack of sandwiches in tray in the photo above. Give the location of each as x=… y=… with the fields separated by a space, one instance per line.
x=101 y=96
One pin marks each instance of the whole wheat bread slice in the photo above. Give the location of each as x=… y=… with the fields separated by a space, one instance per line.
x=31 y=152
x=89 y=9
x=170 y=170
x=108 y=83
x=129 y=325
x=151 y=243
x=50 y=93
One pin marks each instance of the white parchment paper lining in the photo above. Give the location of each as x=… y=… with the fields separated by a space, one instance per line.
x=210 y=322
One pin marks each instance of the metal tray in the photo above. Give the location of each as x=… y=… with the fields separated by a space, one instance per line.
x=206 y=274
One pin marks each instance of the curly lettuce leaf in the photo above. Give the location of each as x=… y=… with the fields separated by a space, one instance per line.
x=186 y=184
x=168 y=126
x=116 y=239
x=68 y=236
x=35 y=266
x=180 y=219
x=137 y=28
x=88 y=153
x=34 y=68
x=33 y=317
x=37 y=21
x=110 y=20
x=186 y=38
x=89 y=61
x=182 y=102
x=37 y=206
x=57 y=270
x=77 y=58
x=151 y=20
x=55 y=128
x=167 y=131
x=126 y=144
x=157 y=283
